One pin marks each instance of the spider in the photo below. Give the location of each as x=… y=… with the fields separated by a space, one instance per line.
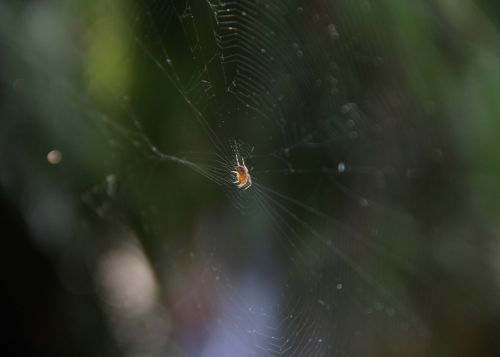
x=243 y=179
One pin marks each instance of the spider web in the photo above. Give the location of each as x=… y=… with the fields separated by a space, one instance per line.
x=319 y=278
x=304 y=262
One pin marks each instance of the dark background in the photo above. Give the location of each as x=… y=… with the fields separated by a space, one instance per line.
x=115 y=248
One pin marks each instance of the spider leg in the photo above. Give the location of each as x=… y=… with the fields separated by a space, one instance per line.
x=236 y=173
x=247 y=184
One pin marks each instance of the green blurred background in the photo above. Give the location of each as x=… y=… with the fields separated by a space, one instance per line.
x=370 y=131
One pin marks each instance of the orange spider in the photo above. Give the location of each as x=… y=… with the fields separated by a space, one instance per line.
x=243 y=179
